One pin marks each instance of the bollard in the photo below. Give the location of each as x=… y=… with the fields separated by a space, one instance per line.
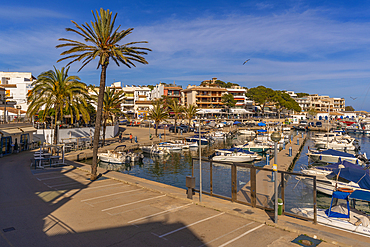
x=291 y=138
x=297 y=132
x=267 y=159
x=290 y=151
x=297 y=141
x=190 y=184
x=283 y=145
x=302 y=135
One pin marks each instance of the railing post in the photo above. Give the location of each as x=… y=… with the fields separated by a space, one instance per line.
x=283 y=191
x=314 y=202
x=253 y=186
x=233 y=182
x=192 y=167
x=211 y=177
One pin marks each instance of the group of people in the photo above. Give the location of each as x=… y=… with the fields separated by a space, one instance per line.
x=120 y=137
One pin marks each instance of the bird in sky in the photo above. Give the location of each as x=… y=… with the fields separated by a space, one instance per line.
x=246 y=61
x=353 y=98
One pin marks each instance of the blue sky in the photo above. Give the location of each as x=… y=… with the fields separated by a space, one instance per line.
x=307 y=46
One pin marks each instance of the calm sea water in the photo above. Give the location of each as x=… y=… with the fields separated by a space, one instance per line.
x=174 y=168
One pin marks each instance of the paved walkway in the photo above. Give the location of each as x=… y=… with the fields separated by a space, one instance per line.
x=62 y=207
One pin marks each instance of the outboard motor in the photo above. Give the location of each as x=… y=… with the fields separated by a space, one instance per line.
x=211 y=156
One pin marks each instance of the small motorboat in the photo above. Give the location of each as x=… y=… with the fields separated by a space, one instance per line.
x=340 y=214
x=247 y=132
x=234 y=155
x=114 y=157
x=155 y=150
x=346 y=144
x=339 y=175
x=203 y=139
x=334 y=156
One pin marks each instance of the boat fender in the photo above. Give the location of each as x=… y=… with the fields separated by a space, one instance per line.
x=340 y=159
x=320 y=157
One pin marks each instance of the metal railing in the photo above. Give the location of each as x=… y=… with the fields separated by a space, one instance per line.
x=253 y=186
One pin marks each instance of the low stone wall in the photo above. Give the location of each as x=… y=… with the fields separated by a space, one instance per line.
x=66 y=135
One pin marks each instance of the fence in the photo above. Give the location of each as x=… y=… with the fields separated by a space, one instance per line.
x=254 y=186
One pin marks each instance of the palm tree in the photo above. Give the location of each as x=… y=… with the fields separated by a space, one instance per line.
x=158 y=114
x=111 y=105
x=101 y=40
x=56 y=90
x=177 y=109
x=190 y=111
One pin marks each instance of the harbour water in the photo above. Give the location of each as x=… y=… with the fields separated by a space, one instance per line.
x=173 y=169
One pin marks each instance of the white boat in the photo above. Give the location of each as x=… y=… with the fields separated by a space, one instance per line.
x=114 y=157
x=247 y=132
x=340 y=175
x=155 y=150
x=170 y=146
x=334 y=156
x=256 y=146
x=340 y=214
x=328 y=136
x=346 y=144
x=218 y=135
x=286 y=128
x=234 y=155
x=354 y=128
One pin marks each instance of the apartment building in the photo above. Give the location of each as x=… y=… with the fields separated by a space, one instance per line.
x=17 y=85
x=137 y=99
x=171 y=90
x=321 y=103
x=207 y=96
x=239 y=95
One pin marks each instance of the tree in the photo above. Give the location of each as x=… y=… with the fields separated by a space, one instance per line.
x=158 y=114
x=54 y=89
x=349 y=108
x=112 y=101
x=228 y=100
x=312 y=112
x=101 y=40
x=284 y=101
x=261 y=95
x=177 y=109
x=190 y=111
x=300 y=95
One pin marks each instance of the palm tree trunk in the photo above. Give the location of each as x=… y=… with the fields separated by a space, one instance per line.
x=156 y=128
x=99 y=110
x=176 y=131
x=55 y=125
x=104 y=129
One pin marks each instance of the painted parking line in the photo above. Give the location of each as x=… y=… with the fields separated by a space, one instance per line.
x=122 y=192
x=181 y=228
x=74 y=183
x=226 y=234
x=42 y=179
x=163 y=212
x=247 y=232
x=42 y=173
x=101 y=186
x=123 y=205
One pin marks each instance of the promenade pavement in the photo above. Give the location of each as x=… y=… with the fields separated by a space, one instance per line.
x=62 y=207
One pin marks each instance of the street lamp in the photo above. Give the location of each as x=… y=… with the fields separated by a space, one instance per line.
x=275 y=137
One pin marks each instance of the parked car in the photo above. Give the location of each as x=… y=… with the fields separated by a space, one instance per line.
x=303 y=122
x=318 y=124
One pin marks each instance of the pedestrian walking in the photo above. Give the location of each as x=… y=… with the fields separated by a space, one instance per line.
x=131 y=137
x=120 y=137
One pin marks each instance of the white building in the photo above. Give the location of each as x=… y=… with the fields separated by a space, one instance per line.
x=17 y=85
x=137 y=99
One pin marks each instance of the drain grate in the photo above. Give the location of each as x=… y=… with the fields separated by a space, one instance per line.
x=9 y=229
x=306 y=241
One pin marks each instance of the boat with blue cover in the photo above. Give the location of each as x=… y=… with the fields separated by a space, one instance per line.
x=203 y=140
x=339 y=175
x=341 y=214
x=334 y=156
